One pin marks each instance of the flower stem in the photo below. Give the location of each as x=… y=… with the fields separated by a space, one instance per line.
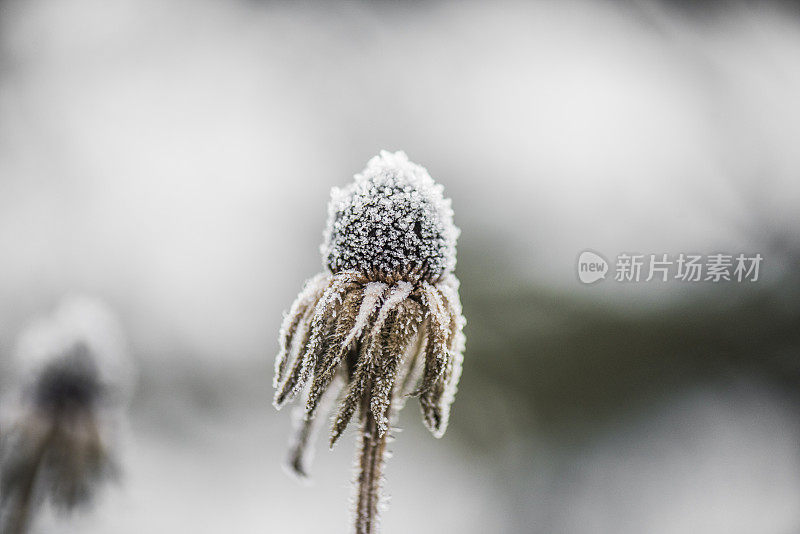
x=20 y=514
x=370 y=472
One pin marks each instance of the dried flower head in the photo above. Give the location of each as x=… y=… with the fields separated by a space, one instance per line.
x=55 y=445
x=391 y=219
x=383 y=322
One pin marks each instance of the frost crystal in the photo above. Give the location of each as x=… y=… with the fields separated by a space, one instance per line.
x=392 y=219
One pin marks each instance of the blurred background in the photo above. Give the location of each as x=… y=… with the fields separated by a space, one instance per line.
x=175 y=159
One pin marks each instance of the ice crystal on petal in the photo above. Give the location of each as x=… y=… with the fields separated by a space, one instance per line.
x=399 y=293
x=373 y=293
x=291 y=321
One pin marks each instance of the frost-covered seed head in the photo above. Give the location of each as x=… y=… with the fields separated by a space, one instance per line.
x=392 y=219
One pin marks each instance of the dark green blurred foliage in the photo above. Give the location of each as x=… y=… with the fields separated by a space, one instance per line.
x=562 y=365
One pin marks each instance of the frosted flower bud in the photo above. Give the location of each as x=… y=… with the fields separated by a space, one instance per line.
x=393 y=219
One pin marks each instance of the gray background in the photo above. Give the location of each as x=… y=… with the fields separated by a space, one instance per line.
x=175 y=159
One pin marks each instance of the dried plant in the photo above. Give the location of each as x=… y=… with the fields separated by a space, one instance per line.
x=382 y=322
x=55 y=443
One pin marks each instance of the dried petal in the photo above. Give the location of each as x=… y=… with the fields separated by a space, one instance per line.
x=358 y=383
x=403 y=329
x=324 y=311
x=437 y=354
x=307 y=298
x=300 y=454
x=336 y=349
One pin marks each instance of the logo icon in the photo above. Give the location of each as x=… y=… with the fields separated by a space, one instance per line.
x=591 y=267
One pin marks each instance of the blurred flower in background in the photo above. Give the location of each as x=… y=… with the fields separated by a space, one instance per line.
x=57 y=433
x=175 y=158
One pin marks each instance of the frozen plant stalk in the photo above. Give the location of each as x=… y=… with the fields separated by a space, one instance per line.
x=72 y=376
x=382 y=322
